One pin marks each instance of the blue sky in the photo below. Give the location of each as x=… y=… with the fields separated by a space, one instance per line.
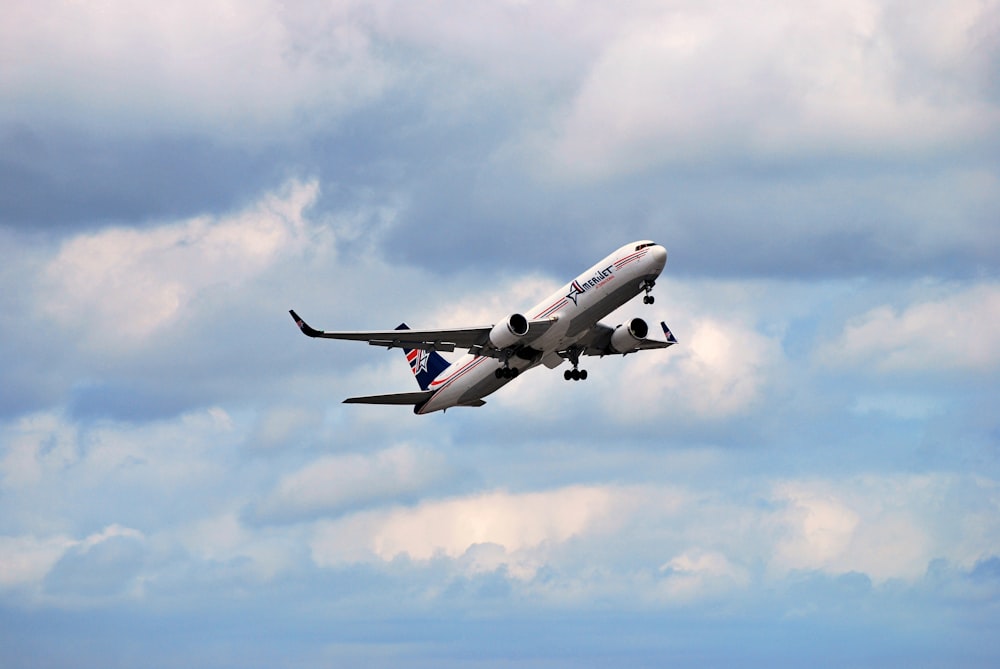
x=810 y=478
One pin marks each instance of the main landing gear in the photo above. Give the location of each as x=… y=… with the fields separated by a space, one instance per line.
x=506 y=372
x=574 y=374
x=647 y=286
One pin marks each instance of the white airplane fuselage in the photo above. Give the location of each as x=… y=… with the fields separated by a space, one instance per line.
x=575 y=309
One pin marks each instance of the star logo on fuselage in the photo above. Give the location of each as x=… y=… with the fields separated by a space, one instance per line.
x=575 y=289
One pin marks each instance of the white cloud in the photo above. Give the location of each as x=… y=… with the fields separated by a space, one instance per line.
x=599 y=537
x=724 y=366
x=109 y=532
x=26 y=560
x=34 y=446
x=264 y=553
x=116 y=287
x=719 y=369
x=337 y=482
x=773 y=78
x=524 y=525
x=820 y=528
x=61 y=473
x=958 y=332
x=656 y=543
x=506 y=295
x=276 y=426
x=697 y=573
x=887 y=527
x=247 y=69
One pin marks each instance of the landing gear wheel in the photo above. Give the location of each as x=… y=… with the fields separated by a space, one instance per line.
x=575 y=374
x=648 y=287
x=506 y=372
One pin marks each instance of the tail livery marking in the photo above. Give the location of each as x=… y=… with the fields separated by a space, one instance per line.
x=426 y=365
x=418 y=360
x=671 y=339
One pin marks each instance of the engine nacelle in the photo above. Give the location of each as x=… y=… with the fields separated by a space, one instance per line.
x=509 y=331
x=627 y=336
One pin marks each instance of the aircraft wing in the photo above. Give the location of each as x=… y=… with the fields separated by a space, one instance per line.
x=475 y=339
x=599 y=339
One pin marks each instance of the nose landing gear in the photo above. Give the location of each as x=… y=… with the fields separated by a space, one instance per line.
x=647 y=286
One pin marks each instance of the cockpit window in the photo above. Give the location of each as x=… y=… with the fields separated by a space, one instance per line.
x=642 y=246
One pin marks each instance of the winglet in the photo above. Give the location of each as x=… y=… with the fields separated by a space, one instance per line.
x=306 y=329
x=671 y=339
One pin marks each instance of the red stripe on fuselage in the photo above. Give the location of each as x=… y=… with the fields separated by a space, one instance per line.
x=462 y=371
x=555 y=307
x=629 y=259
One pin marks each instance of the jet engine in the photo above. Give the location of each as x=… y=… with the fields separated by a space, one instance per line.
x=627 y=336
x=509 y=331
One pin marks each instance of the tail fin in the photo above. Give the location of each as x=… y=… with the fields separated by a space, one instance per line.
x=426 y=365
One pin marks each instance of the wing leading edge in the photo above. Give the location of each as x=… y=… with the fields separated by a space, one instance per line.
x=475 y=339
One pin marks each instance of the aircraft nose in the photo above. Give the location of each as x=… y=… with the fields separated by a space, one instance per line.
x=658 y=254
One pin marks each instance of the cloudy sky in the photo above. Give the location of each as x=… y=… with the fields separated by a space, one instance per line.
x=811 y=478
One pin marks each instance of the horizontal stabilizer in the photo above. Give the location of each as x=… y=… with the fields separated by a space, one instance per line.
x=410 y=399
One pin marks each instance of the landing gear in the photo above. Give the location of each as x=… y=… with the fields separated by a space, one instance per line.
x=506 y=372
x=647 y=286
x=574 y=374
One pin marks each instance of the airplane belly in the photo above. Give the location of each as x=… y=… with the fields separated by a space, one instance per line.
x=486 y=383
x=461 y=387
x=470 y=388
x=481 y=389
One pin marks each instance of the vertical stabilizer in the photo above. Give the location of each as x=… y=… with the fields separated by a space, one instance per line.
x=426 y=365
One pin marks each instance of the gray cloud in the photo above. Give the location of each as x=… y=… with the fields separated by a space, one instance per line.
x=70 y=180
x=810 y=473
x=100 y=570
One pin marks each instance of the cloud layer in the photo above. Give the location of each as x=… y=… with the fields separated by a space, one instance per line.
x=810 y=475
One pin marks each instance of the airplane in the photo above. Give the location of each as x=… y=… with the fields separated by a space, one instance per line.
x=564 y=326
